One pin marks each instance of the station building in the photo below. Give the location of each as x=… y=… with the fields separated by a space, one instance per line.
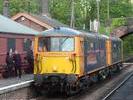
x=19 y=34
x=13 y=36
x=37 y=22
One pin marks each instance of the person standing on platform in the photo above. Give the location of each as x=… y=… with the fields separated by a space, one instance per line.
x=30 y=59
x=17 y=62
x=9 y=63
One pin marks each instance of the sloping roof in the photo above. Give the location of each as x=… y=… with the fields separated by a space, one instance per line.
x=9 y=26
x=44 y=21
x=50 y=21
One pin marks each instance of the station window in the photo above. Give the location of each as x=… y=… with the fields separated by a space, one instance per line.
x=27 y=44
x=11 y=44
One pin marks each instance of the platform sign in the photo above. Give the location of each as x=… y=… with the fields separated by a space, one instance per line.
x=96 y=25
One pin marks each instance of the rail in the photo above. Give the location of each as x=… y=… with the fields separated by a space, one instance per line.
x=120 y=85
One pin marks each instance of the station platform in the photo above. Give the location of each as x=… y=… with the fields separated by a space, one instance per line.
x=12 y=84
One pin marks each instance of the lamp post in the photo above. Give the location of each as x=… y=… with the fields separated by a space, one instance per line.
x=98 y=15
x=108 y=19
x=6 y=8
x=72 y=14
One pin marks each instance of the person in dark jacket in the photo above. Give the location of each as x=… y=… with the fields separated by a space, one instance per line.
x=17 y=62
x=30 y=59
x=9 y=63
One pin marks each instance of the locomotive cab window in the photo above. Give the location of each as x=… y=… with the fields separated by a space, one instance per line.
x=56 y=44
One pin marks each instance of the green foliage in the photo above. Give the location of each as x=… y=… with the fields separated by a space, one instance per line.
x=60 y=10
x=17 y=6
x=1 y=6
x=102 y=30
x=84 y=13
x=120 y=8
x=23 y=6
x=117 y=22
x=86 y=10
x=128 y=45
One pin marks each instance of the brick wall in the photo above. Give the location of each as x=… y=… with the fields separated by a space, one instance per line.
x=19 y=47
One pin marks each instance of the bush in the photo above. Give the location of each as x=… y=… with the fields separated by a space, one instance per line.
x=117 y=22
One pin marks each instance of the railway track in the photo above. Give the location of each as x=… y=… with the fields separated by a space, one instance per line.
x=119 y=86
x=95 y=92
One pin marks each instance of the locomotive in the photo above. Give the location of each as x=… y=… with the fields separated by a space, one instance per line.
x=68 y=60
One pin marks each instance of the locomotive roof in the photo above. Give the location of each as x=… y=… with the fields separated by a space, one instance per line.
x=116 y=39
x=65 y=31
x=9 y=26
x=60 y=31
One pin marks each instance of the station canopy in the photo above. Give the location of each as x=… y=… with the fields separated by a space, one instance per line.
x=9 y=26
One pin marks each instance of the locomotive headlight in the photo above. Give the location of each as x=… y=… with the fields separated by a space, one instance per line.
x=54 y=69
x=67 y=58
x=44 y=58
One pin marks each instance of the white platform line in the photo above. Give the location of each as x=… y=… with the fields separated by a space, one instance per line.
x=15 y=85
x=128 y=63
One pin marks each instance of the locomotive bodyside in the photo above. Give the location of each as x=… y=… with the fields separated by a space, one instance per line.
x=116 y=50
x=94 y=52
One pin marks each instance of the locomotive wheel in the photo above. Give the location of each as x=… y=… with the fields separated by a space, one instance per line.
x=118 y=68
x=85 y=83
x=67 y=90
x=103 y=74
x=37 y=91
x=70 y=90
x=110 y=73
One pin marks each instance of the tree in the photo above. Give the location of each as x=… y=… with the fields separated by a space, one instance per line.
x=120 y=8
x=1 y=6
x=60 y=10
x=23 y=6
x=17 y=6
x=85 y=10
